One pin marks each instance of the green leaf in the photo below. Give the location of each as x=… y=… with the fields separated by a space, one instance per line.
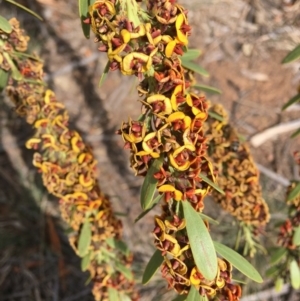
x=215 y=116
x=83 y=6
x=153 y=204
x=132 y=12
x=271 y=271
x=208 y=89
x=201 y=244
x=193 y=294
x=121 y=213
x=295 y=274
x=238 y=261
x=294 y=193
x=5 y=25
x=125 y=271
x=149 y=184
x=194 y=67
x=124 y=297
x=118 y=244
x=14 y=70
x=293 y=100
x=278 y=255
x=212 y=184
x=85 y=261
x=296 y=237
x=238 y=281
x=191 y=54
x=88 y=281
x=292 y=56
x=22 y=54
x=104 y=74
x=180 y=298
x=208 y=218
x=113 y=294
x=26 y=9
x=3 y=79
x=278 y=284
x=295 y=134
x=154 y=263
x=84 y=238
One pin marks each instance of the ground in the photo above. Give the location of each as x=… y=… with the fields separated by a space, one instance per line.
x=242 y=43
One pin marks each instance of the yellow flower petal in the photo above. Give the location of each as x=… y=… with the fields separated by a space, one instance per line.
x=125 y=35
x=170 y=48
x=32 y=142
x=176 y=116
x=166 y=188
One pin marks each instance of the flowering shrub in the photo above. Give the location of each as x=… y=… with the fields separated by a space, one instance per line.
x=68 y=169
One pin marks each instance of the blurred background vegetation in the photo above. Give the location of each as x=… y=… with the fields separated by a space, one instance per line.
x=242 y=44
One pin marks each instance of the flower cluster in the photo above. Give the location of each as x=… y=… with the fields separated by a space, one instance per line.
x=169 y=133
x=238 y=175
x=133 y=47
x=288 y=228
x=68 y=169
x=287 y=237
x=179 y=267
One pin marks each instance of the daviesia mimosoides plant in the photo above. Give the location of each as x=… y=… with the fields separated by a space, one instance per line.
x=167 y=143
x=238 y=177
x=285 y=261
x=68 y=169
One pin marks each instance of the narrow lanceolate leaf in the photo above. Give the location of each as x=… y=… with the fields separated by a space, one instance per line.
x=14 y=70
x=201 y=244
x=208 y=89
x=4 y=25
x=125 y=271
x=272 y=271
x=154 y=263
x=153 y=204
x=118 y=244
x=85 y=262
x=238 y=261
x=294 y=193
x=84 y=238
x=124 y=297
x=278 y=284
x=209 y=219
x=132 y=12
x=25 y=8
x=3 y=79
x=293 y=100
x=104 y=74
x=83 y=6
x=295 y=134
x=295 y=274
x=191 y=54
x=149 y=185
x=194 y=67
x=113 y=294
x=215 y=116
x=212 y=184
x=292 y=56
x=296 y=237
x=278 y=255
x=193 y=295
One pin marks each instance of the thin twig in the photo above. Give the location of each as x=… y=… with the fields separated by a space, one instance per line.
x=270 y=133
x=273 y=175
